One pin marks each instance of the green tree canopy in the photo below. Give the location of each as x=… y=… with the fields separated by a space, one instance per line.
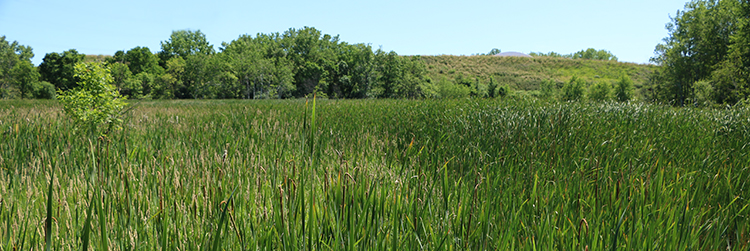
x=592 y=53
x=25 y=75
x=183 y=43
x=11 y=54
x=58 y=68
x=699 y=41
x=140 y=59
x=260 y=66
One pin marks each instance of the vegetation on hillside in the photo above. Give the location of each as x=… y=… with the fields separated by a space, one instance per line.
x=589 y=53
x=527 y=75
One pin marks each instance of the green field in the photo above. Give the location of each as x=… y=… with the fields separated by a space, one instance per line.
x=468 y=174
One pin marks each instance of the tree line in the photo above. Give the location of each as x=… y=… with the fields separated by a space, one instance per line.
x=589 y=53
x=291 y=64
x=705 y=59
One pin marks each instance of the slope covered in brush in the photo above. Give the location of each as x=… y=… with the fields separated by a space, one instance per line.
x=526 y=74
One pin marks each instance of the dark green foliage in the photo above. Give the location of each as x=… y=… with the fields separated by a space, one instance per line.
x=703 y=93
x=356 y=72
x=707 y=41
x=140 y=59
x=122 y=78
x=624 y=89
x=600 y=91
x=24 y=74
x=260 y=67
x=15 y=66
x=313 y=54
x=399 y=77
x=119 y=57
x=163 y=87
x=491 y=88
x=57 y=68
x=44 y=90
x=547 y=89
x=574 y=89
x=502 y=91
x=138 y=85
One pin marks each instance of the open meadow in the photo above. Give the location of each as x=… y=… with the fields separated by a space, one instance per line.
x=469 y=174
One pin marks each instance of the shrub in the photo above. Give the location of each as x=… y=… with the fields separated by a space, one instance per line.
x=478 y=89
x=428 y=89
x=600 y=91
x=503 y=90
x=702 y=93
x=95 y=104
x=573 y=90
x=44 y=90
x=624 y=89
x=447 y=89
x=547 y=89
x=491 y=88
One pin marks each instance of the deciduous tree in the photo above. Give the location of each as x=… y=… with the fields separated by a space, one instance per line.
x=183 y=43
x=698 y=42
x=11 y=54
x=140 y=59
x=58 y=68
x=25 y=75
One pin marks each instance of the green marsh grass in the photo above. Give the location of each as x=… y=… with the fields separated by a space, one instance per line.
x=377 y=175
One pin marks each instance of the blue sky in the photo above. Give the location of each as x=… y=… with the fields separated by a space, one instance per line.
x=629 y=29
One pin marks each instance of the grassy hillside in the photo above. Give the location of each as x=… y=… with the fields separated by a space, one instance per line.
x=525 y=74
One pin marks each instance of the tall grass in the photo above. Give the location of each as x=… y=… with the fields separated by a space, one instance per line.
x=378 y=174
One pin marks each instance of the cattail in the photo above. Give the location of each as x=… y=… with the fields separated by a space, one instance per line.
x=224 y=156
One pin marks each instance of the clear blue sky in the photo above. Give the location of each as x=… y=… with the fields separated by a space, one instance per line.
x=629 y=29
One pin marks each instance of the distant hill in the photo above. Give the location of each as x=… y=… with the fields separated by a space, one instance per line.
x=525 y=74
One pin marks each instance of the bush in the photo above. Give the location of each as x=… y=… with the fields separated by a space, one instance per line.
x=44 y=90
x=600 y=91
x=478 y=89
x=428 y=89
x=491 y=88
x=624 y=89
x=503 y=91
x=547 y=89
x=573 y=90
x=447 y=89
x=703 y=93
